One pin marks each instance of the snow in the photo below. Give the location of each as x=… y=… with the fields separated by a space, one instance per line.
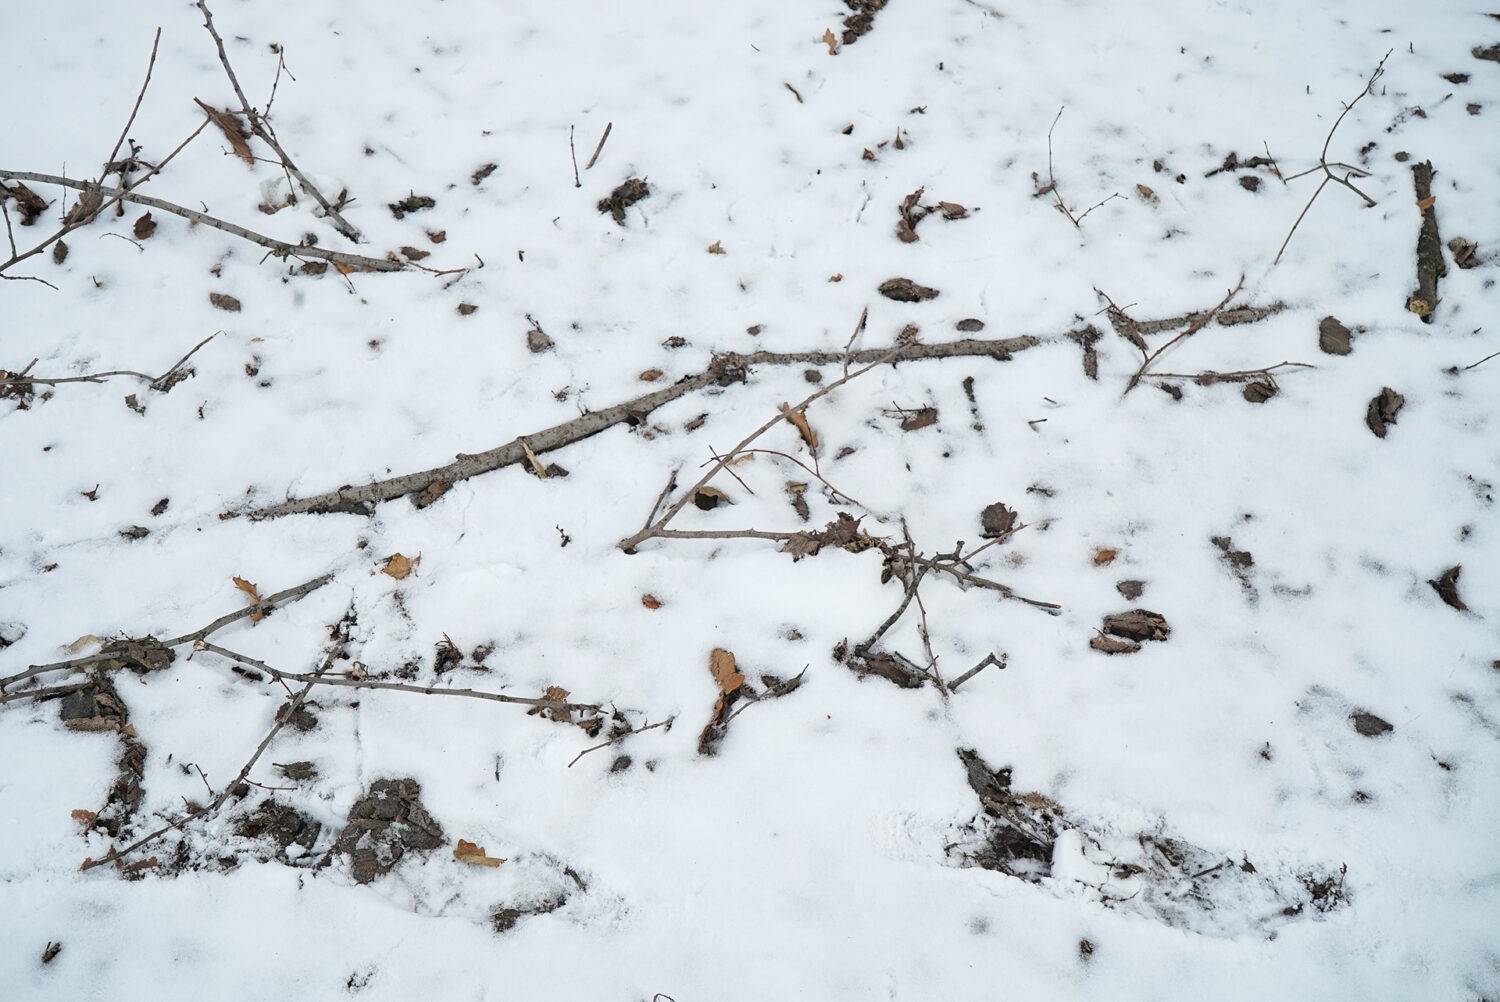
x=820 y=853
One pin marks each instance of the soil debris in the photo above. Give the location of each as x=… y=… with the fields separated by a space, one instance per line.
x=385 y=824
x=904 y=290
x=629 y=192
x=861 y=20
x=412 y=203
x=1381 y=413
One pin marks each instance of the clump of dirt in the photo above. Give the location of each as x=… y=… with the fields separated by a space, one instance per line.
x=904 y=290
x=412 y=203
x=1130 y=628
x=385 y=824
x=282 y=826
x=1333 y=337
x=1382 y=411
x=861 y=20
x=630 y=191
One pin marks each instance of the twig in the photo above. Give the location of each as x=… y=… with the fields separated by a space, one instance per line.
x=724 y=370
x=1193 y=328
x=264 y=605
x=574 y=154
x=1208 y=377
x=794 y=92
x=1326 y=167
x=150 y=65
x=1481 y=361
x=1058 y=202
x=351 y=682
x=890 y=621
x=989 y=659
x=278 y=248
x=864 y=315
x=667 y=723
x=629 y=544
x=259 y=126
x=288 y=710
x=99 y=377
x=597 y=149
x=85 y=220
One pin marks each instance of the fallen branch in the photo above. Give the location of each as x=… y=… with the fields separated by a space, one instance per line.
x=1430 y=263
x=278 y=248
x=352 y=682
x=1327 y=168
x=1193 y=328
x=725 y=370
x=262 y=128
x=283 y=716
x=621 y=737
x=263 y=606
x=157 y=382
x=989 y=659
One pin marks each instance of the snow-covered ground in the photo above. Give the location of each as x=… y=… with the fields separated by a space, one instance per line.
x=1292 y=796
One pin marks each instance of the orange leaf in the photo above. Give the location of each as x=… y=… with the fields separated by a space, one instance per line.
x=721 y=664
x=1103 y=556
x=804 y=429
x=254 y=593
x=398 y=566
x=84 y=817
x=650 y=375
x=474 y=855
x=650 y=601
x=1427 y=202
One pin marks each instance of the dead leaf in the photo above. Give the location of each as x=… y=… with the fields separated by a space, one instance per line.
x=398 y=566
x=716 y=247
x=233 y=128
x=83 y=817
x=1104 y=556
x=721 y=664
x=254 y=593
x=709 y=498
x=650 y=601
x=922 y=418
x=414 y=253
x=831 y=40
x=836 y=277
x=83 y=643
x=144 y=227
x=952 y=210
x=224 y=301
x=1146 y=193
x=474 y=855
x=466 y=309
x=1427 y=203
x=1447 y=587
x=799 y=419
x=650 y=375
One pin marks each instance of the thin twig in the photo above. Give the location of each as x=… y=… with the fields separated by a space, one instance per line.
x=99 y=377
x=278 y=248
x=259 y=126
x=150 y=65
x=1193 y=328
x=989 y=659
x=1326 y=167
x=1481 y=361
x=607 y=127
x=667 y=723
x=574 y=154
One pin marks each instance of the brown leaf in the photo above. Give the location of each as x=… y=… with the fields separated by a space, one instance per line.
x=997 y=520
x=1382 y=411
x=224 y=301
x=904 y=290
x=650 y=601
x=1427 y=203
x=721 y=664
x=709 y=498
x=1104 y=556
x=474 y=855
x=437 y=236
x=233 y=128
x=952 y=210
x=85 y=209
x=1146 y=193
x=922 y=418
x=831 y=40
x=144 y=227
x=1447 y=587
x=398 y=566
x=83 y=817
x=716 y=247
x=414 y=253
x=650 y=375
x=799 y=418
x=254 y=594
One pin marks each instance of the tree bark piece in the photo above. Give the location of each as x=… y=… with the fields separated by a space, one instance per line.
x=1430 y=264
x=725 y=370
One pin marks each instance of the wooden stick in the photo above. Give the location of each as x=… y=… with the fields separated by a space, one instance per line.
x=724 y=370
x=1193 y=328
x=607 y=126
x=99 y=377
x=278 y=248
x=261 y=128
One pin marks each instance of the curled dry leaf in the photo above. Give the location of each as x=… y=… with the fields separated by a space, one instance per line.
x=717 y=247
x=650 y=601
x=722 y=664
x=398 y=566
x=474 y=855
x=254 y=594
x=799 y=419
x=1104 y=556
x=831 y=40
x=233 y=128
x=144 y=227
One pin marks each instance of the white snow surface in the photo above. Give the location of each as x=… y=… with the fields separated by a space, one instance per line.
x=820 y=854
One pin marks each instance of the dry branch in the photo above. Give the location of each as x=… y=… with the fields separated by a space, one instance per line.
x=157 y=382
x=1430 y=264
x=1193 y=328
x=278 y=248
x=262 y=128
x=723 y=371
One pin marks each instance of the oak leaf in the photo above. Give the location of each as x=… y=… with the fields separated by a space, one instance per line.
x=474 y=855
x=721 y=664
x=254 y=594
x=398 y=566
